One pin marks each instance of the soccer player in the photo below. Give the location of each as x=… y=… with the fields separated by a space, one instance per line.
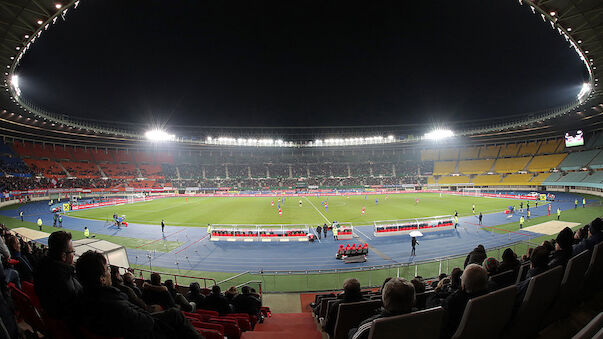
x=362 y=211
x=417 y=200
x=326 y=207
x=549 y=209
x=473 y=208
x=272 y=203
x=377 y=201
x=300 y=203
x=280 y=212
x=480 y=218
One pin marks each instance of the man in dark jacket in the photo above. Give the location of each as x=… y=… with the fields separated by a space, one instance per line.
x=318 y=231
x=595 y=236
x=563 y=248
x=105 y=311
x=54 y=278
x=351 y=293
x=129 y=281
x=474 y=283
x=398 y=297
x=247 y=303
x=215 y=301
x=156 y=294
x=477 y=256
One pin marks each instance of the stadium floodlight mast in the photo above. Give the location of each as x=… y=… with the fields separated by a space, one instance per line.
x=438 y=134
x=157 y=135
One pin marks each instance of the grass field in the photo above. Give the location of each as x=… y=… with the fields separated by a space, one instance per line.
x=259 y=210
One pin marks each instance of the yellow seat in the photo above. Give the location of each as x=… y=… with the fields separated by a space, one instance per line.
x=517 y=179
x=444 y=167
x=487 y=180
x=510 y=165
x=543 y=163
x=448 y=180
x=529 y=148
x=429 y=154
x=489 y=152
x=469 y=153
x=475 y=166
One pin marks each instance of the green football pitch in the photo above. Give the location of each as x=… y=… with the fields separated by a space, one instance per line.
x=200 y=211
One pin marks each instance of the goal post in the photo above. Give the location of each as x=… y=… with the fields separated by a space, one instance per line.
x=471 y=191
x=405 y=226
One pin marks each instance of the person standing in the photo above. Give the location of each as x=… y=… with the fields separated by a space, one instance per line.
x=413 y=243
x=162 y=225
x=21 y=215
x=60 y=221
x=558 y=213
x=529 y=214
x=325 y=229
x=549 y=209
x=521 y=221
x=456 y=221
x=40 y=223
x=480 y=218
x=335 y=232
x=318 y=231
x=54 y=220
x=86 y=232
x=583 y=204
x=521 y=206
x=575 y=203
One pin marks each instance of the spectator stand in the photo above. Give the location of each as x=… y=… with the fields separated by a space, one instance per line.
x=262 y=233
x=384 y=228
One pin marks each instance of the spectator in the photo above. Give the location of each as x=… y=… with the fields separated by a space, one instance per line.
x=474 y=283
x=435 y=282
x=156 y=294
x=7 y=310
x=419 y=285
x=490 y=265
x=194 y=294
x=563 y=248
x=509 y=262
x=179 y=299
x=55 y=282
x=351 y=293
x=398 y=298
x=476 y=256
x=231 y=293
x=247 y=303
x=215 y=301
x=455 y=279
x=105 y=311
x=128 y=279
x=23 y=266
x=595 y=236
x=118 y=282
x=538 y=264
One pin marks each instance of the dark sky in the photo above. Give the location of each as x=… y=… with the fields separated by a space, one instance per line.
x=300 y=63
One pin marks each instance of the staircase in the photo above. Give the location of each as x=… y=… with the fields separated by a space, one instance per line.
x=285 y=325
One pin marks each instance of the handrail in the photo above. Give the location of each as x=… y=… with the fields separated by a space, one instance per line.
x=176 y=275
x=231 y=278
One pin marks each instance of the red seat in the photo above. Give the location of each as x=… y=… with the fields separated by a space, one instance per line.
x=243 y=320
x=28 y=288
x=192 y=315
x=208 y=312
x=27 y=311
x=231 y=328
x=209 y=326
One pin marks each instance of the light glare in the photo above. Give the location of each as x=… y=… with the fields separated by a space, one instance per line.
x=439 y=134
x=159 y=135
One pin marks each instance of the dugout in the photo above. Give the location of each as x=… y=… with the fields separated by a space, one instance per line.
x=115 y=254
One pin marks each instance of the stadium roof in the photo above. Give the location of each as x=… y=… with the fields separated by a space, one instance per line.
x=23 y=22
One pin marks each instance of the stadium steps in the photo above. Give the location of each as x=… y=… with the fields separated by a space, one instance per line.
x=285 y=325
x=528 y=164
x=103 y=174
x=64 y=169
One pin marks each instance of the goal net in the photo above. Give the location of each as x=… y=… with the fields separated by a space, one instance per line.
x=135 y=197
x=470 y=191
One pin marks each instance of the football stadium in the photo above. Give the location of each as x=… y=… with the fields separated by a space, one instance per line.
x=262 y=170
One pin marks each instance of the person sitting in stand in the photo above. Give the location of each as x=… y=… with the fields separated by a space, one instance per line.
x=215 y=301
x=105 y=311
x=179 y=299
x=155 y=294
x=247 y=303
x=351 y=293
x=194 y=294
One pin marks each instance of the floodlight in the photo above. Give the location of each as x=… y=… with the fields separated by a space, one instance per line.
x=439 y=134
x=584 y=91
x=14 y=81
x=157 y=135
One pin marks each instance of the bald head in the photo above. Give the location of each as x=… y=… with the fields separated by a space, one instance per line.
x=398 y=296
x=474 y=279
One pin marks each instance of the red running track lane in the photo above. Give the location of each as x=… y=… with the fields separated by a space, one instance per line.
x=154 y=241
x=191 y=244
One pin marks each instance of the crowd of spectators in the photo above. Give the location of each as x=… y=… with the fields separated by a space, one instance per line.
x=479 y=276
x=92 y=295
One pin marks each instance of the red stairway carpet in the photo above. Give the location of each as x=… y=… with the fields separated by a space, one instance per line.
x=285 y=325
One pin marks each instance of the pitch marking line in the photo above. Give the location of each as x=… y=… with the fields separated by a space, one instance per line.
x=319 y=212
x=366 y=236
x=162 y=238
x=192 y=244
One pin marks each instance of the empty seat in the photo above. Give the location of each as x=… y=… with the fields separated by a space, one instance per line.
x=594 y=273
x=504 y=279
x=569 y=291
x=424 y=324
x=486 y=316
x=523 y=271
x=542 y=289
x=594 y=329
x=350 y=315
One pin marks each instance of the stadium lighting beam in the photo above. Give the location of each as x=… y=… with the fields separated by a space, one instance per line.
x=584 y=91
x=157 y=135
x=439 y=134
x=14 y=81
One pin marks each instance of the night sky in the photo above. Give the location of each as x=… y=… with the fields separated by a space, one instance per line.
x=306 y=63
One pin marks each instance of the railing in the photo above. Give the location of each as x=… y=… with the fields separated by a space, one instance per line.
x=185 y=280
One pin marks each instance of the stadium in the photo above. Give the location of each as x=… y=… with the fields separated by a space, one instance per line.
x=301 y=212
